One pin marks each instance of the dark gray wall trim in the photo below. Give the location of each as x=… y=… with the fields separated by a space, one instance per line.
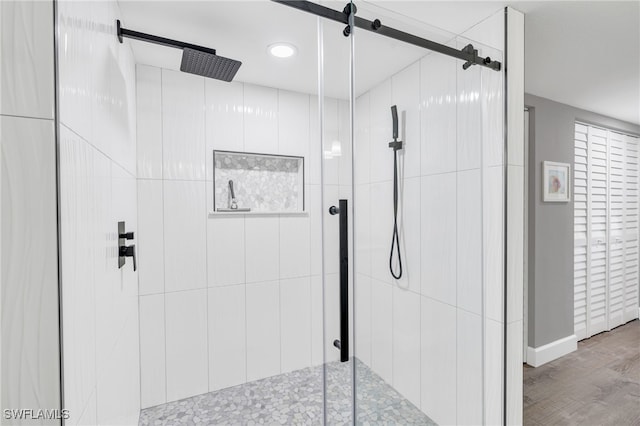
x=550 y=277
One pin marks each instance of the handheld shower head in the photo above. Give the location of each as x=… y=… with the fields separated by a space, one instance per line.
x=396 y=144
x=394 y=115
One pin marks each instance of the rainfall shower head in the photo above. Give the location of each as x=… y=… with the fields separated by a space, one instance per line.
x=208 y=64
x=195 y=59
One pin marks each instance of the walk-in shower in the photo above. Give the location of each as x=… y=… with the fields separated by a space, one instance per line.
x=262 y=198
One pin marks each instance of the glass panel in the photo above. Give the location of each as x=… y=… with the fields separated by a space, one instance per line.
x=420 y=317
x=244 y=342
x=336 y=190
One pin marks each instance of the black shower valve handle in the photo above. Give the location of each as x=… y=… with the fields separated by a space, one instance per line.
x=130 y=251
x=127 y=236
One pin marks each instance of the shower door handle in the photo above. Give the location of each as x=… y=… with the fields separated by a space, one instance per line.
x=343 y=343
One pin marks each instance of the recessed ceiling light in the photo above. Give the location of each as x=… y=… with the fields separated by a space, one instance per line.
x=282 y=50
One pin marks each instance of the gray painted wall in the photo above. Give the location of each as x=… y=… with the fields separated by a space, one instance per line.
x=550 y=278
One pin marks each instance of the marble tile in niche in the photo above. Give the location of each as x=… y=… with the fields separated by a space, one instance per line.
x=261 y=182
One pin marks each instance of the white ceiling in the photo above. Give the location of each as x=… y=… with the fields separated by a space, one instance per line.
x=582 y=53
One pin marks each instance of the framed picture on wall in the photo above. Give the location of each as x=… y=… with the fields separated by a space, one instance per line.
x=556 y=182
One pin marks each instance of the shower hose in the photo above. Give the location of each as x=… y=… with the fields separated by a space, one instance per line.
x=395 y=240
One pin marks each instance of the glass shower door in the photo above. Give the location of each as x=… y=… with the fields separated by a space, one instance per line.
x=427 y=188
x=334 y=148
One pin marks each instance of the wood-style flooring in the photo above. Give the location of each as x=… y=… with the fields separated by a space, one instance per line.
x=599 y=384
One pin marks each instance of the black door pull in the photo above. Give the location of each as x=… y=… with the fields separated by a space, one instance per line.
x=343 y=343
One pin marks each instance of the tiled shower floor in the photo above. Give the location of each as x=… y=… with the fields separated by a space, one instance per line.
x=293 y=399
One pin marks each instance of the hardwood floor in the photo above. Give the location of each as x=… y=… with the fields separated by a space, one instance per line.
x=599 y=384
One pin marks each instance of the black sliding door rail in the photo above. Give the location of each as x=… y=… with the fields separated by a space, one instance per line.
x=468 y=54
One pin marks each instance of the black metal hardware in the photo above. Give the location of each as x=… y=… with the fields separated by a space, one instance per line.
x=469 y=57
x=343 y=342
x=129 y=251
x=395 y=236
x=125 y=251
x=136 y=35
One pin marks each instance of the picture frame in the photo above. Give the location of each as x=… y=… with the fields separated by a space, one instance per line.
x=556 y=182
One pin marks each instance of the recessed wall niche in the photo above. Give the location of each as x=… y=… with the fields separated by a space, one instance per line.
x=261 y=183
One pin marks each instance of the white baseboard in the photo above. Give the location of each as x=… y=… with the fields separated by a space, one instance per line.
x=554 y=350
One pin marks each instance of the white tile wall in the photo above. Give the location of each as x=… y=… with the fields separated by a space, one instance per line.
x=150 y=236
x=406 y=344
x=186 y=343
x=149 y=122
x=362 y=307
x=438 y=230
x=183 y=146
x=185 y=238
x=381 y=229
x=75 y=89
x=76 y=162
x=262 y=248
x=362 y=210
x=237 y=257
x=381 y=168
x=493 y=378
x=331 y=135
x=295 y=250
x=469 y=241
x=469 y=116
x=381 y=330
x=224 y=118
x=469 y=368
x=263 y=330
x=26 y=70
x=227 y=337
x=405 y=94
x=152 y=351
x=493 y=217
x=317 y=323
x=226 y=251
x=515 y=259
x=362 y=143
x=293 y=123
x=409 y=223
x=438 y=114
x=260 y=119
x=451 y=221
x=515 y=242
x=295 y=323
x=30 y=348
x=97 y=91
x=438 y=360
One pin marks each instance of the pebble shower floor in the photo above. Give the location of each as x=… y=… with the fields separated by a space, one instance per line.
x=294 y=398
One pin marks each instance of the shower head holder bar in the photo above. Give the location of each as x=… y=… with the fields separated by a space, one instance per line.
x=198 y=60
x=136 y=35
x=468 y=54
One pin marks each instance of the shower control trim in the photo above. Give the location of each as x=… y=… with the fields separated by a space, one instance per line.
x=125 y=251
